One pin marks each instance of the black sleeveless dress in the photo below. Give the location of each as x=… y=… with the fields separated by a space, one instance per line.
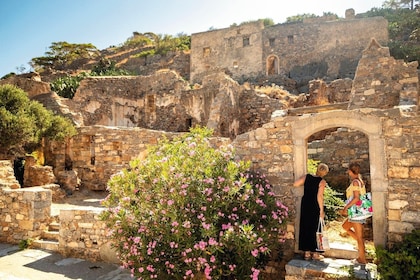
x=309 y=214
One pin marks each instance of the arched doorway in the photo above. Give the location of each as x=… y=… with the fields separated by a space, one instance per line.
x=306 y=125
x=272 y=65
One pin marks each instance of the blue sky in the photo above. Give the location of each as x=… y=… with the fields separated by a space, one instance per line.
x=28 y=27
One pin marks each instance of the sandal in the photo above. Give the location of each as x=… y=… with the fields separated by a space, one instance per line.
x=307 y=256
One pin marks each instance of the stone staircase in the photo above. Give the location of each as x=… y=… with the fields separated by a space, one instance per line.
x=337 y=264
x=49 y=238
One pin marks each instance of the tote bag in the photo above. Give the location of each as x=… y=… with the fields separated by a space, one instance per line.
x=322 y=242
x=362 y=209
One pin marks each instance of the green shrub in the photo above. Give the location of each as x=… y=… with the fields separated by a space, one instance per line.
x=66 y=86
x=25 y=244
x=332 y=203
x=145 y=53
x=402 y=261
x=190 y=210
x=23 y=123
x=106 y=67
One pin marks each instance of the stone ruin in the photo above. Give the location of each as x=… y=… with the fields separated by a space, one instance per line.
x=373 y=119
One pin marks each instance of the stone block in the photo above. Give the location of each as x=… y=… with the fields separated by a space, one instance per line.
x=397 y=204
x=400 y=227
x=26 y=225
x=394 y=215
x=410 y=216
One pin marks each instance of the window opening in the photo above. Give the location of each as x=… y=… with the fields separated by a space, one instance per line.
x=206 y=52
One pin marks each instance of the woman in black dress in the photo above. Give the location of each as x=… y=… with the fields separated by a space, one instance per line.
x=312 y=208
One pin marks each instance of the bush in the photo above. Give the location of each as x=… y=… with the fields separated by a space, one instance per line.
x=402 y=261
x=23 y=123
x=332 y=203
x=189 y=210
x=66 y=86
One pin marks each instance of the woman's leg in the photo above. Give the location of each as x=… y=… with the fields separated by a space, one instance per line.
x=355 y=230
x=348 y=226
x=358 y=229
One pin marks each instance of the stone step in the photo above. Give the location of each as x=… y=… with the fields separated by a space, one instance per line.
x=340 y=250
x=50 y=235
x=328 y=268
x=45 y=245
x=54 y=226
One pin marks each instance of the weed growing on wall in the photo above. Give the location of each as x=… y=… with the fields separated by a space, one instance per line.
x=189 y=211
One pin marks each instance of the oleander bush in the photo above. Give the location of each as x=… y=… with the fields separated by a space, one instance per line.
x=190 y=211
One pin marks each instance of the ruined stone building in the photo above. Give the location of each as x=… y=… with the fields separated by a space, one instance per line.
x=372 y=118
x=315 y=48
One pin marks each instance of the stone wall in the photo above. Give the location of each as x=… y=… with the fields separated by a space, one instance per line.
x=322 y=49
x=165 y=102
x=338 y=149
x=403 y=172
x=384 y=82
x=24 y=213
x=31 y=83
x=83 y=234
x=236 y=51
x=98 y=152
x=301 y=51
x=7 y=175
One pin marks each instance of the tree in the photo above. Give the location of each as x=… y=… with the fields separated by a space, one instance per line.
x=62 y=54
x=24 y=123
x=403 y=27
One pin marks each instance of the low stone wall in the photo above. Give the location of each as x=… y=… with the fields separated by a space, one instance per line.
x=83 y=235
x=24 y=213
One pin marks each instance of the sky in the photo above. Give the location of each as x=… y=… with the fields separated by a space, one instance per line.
x=29 y=27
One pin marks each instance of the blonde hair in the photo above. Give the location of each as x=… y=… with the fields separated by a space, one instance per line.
x=322 y=169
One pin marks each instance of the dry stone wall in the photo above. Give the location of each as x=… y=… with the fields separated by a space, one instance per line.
x=384 y=82
x=403 y=172
x=24 y=213
x=82 y=233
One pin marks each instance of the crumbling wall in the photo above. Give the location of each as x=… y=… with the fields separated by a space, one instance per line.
x=31 y=83
x=7 y=175
x=302 y=51
x=329 y=49
x=236 y=51
x=382 y=81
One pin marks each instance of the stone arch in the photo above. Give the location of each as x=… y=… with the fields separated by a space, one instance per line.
x=272 y=65
x=306 y=125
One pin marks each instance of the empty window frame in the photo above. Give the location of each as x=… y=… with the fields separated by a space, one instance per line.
x=245 y=41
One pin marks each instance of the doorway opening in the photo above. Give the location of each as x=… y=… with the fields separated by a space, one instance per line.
x=338 y=147
x=370 y=127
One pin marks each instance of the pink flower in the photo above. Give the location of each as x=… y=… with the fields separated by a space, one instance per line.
x=255 y=273
x=254 y=252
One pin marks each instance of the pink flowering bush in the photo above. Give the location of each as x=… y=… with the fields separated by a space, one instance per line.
x=189 y=211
